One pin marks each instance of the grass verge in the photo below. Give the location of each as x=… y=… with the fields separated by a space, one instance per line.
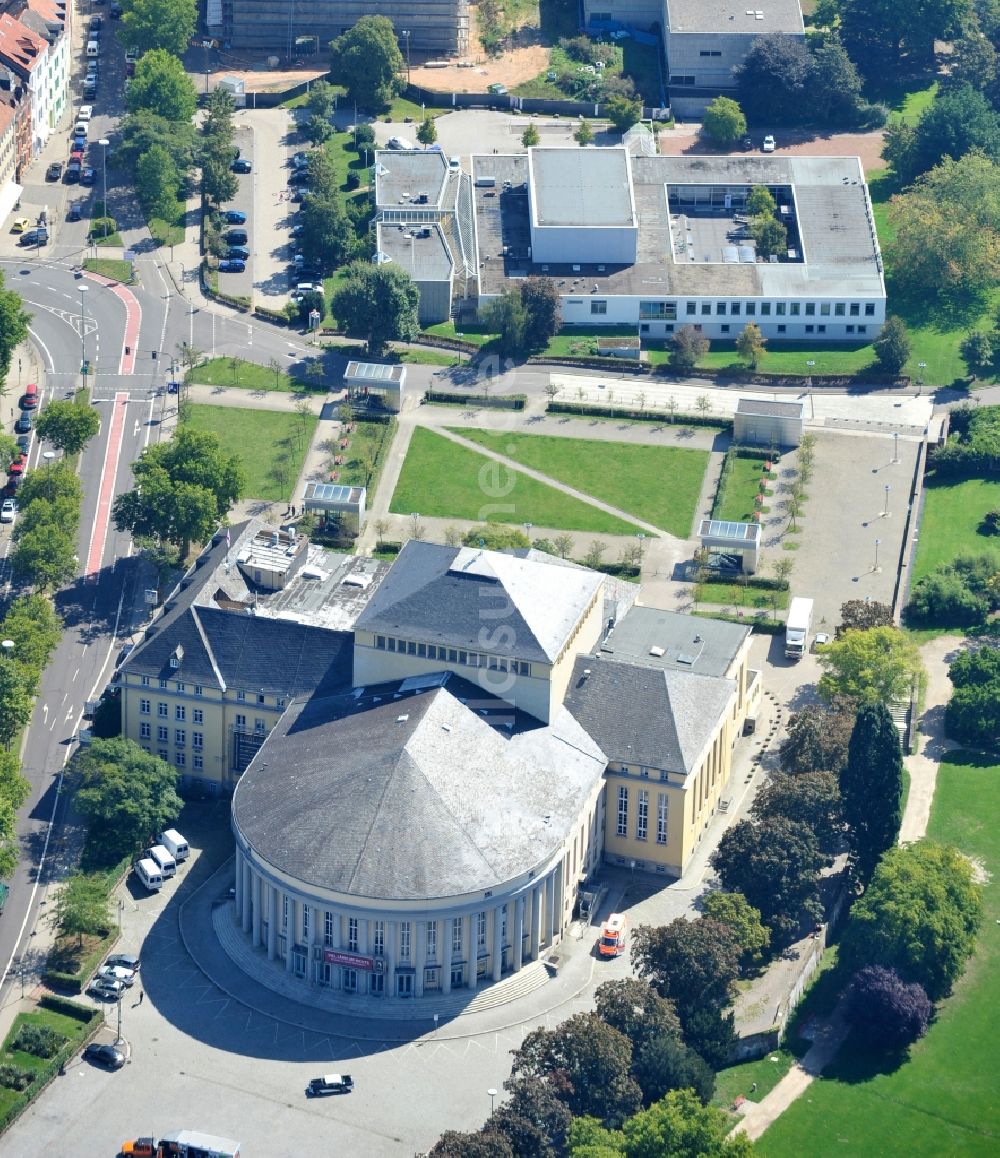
x=115 y=269
x=442 y=480
x=169 y=232
x=740 y=486
x=737 y=594
x=272 y=446
x=952 y=513
x=628 y=477
x=248 y=376
x=942 y=1100
x=738 y=1081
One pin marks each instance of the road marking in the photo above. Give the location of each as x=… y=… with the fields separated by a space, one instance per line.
x=106 y=490
x=45 y=349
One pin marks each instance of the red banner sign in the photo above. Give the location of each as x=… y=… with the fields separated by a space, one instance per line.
x=351 y=960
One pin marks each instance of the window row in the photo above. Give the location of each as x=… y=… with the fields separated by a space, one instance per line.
x=642 y=814
x=180 y=759
x=451 y=655
x=781 y=309
x=163 y=711
x=454 y=927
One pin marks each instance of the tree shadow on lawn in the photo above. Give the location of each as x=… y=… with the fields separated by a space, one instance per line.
x=857 y=1062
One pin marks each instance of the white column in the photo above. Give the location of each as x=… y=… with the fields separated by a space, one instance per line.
x=291 y=932
x=559 y=898
x=518 y=933
x=391 y=956
x=238 y=883
x=312 y=966
x=247 y=908
x=550 y=908
x=445 y=946
x=420 y=959
x=497 y=943
x=272 y=921
x=257 y=905
x=469 y=941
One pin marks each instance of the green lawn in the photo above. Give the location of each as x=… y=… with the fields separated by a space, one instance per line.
x=474 y=334
x=943 y=1100
x=248 y=376
x=766 y=1072
x=737 y=595
x=271 y=445
x=658 y=484
x=952 y=513
x=169 y=232
x=739 y=488
x=115 y=269
x=912 y=104
x=73 y=1029
x=442 y=480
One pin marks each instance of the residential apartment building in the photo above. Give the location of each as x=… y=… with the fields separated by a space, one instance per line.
x=48 y=19
x=26 y=55
x=10 y=190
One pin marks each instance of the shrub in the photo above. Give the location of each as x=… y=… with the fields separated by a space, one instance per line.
x=41 y=1040
x=14 y=1078
x=885 y=1011
x=353 y=179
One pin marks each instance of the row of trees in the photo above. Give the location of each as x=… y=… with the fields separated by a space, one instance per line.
x=45 y=534
x=184 y=488
x=13 y=327
x=32 y=625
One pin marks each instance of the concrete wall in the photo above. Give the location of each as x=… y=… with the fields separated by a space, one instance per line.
x=769 y=430
x=573 y=243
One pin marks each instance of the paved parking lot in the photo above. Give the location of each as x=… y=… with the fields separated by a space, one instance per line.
x=274 y=142
x=241 y=284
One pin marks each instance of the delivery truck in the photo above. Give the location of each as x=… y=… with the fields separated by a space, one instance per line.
x=797 y=627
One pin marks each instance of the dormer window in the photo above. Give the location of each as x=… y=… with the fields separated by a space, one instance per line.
x=178 y=655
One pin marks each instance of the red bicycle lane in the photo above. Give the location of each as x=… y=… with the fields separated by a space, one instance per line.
x=133 y=320
x=106 y=493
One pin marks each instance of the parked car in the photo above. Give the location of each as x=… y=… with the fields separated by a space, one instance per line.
x=75 y=211
x=237 y=236
x=35 y=237
x=54 y=171
x=24 y=443
x=117 y=973
x=20 y=224
x=299 y=177
x=300 y=160
x=8 y=511
x=237 y=253
x=88 y=175
x=125 y=960
x=115 y=11
x=104 y=987
x=821 y=640
x=497 y=89
x=234 y=217
x=29 y=399
x=81 y=129
x=104 y=1055
x=95 y=23
x=232 y=265
x=72 y=175
x=23 y=424
x=90 y=86
x=242 y=165
x=85 y=113
x=768 y=145
x=301 y=194
x=401 y=144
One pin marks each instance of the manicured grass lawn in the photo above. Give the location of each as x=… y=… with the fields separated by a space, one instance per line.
x=658 y=484
x=766 y=1071
x=943 y=1100
x=736 y=595
x=581 y=343
x=368 y=443
x=271 y=445
x=116 y=269
x=247 y=376
x=951 y=515
x=470 y=333
x=442 y=480
x=70 y=1028
x=739 y=489
x=169 y=232
x=913 y=104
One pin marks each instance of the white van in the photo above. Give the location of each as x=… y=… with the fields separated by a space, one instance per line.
x=93 y=48
x=168 y=866
x=174 y=843
x=148 y=871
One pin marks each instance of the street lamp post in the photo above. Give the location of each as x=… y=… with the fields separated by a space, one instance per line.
x=527 y=531
x=895 y=446
x=876 y=568
x=104 y=142
x=640 y=535
x=921 y=366
x=406 y=37
x=885 y=509
x=83 y=334
x=492 y=1094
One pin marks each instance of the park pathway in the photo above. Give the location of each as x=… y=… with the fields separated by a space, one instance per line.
x=922 y=766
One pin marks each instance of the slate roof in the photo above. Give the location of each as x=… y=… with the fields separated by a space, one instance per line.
x=689 y=643
x=658 y=719
x=228 y=649
x=413 y=795
x=764 y=408
x=465 y=597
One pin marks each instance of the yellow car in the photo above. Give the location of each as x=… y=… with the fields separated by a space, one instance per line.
x=20 y=224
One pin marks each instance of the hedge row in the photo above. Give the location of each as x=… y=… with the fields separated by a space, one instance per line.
x=761 y=626
x=89 y=1020
x=624 y=412
x=488 y=401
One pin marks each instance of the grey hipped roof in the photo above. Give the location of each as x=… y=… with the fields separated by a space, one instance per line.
x=465 y=597
x=412 y=796
x=652 y=637
x=657 y=719
x=231 y=649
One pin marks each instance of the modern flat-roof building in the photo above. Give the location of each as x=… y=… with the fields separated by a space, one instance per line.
x=660 y=242
x=376 y=386
x=706 y=43
x=285 y=27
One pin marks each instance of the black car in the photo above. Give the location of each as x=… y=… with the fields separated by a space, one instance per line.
x=24 y=443
x=88 y=175
x=241 y=165
x=237 y=253
x=237 y=237
x=54 y=171
x=104 y=1055
x=299 y=177
x=38 y=236
x=75 y=211
x=330 y=1084
x=228 y=265
x=301 y=194
x=115 y=11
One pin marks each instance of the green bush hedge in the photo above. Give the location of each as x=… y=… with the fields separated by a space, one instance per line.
x=658 y=416
x=488 y=401
x=760 y=625
x=40 y=1040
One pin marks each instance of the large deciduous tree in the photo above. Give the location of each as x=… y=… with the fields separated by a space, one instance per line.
x=959 y=121
x=635 y=1009
x=947 y=231
x=692 y=963
x=82 y=906
x=810 y=798
x=723 y=121
x=885 y=1011
x=126 y=794
x=817 y=739
x=878 y=665
x=68 y=425
x=686 y=347
x=158 y=24
x=773 y=78
x=158 y=183
x=590 y=1064
x=533 y=1118
x=160 y=85
x=880 y=34
x=871 y=788
x=919 y=915
x=378 y=303
x=13 y=327
x=861 y=614
x=775 y=865
x=734 y=910
x=540 y=298
x=367 y=60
